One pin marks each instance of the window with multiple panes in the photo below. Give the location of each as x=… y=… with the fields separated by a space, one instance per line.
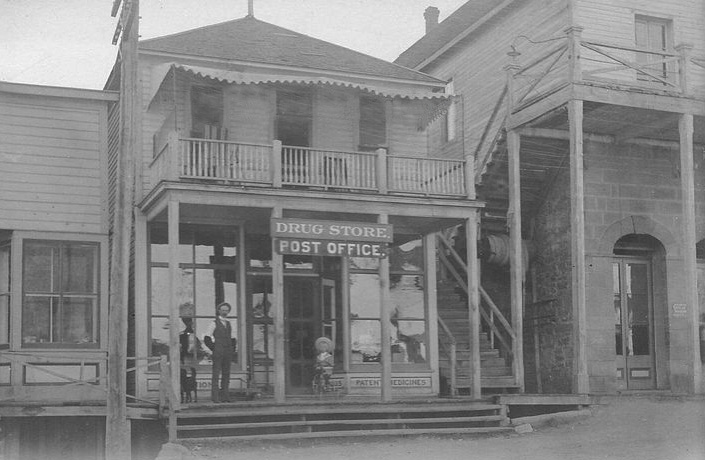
x=294 y=116
x=207 y=276
x=207 y=112
x=60 y=293
x=4 y=293
x=408 y=334
x=653 y=37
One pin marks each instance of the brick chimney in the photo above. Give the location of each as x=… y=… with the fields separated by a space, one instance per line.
x=431 y=17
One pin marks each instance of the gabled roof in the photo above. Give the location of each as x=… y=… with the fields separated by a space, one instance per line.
x=447 y=31
x=251 y=40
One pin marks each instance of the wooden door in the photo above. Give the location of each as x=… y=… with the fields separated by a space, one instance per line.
x=302 y=317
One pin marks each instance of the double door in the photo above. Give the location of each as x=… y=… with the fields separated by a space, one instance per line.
x=634 y=318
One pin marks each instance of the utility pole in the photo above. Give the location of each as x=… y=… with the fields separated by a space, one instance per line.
x=117 y=425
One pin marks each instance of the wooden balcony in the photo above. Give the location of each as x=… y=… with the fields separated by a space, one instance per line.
x=281 y=166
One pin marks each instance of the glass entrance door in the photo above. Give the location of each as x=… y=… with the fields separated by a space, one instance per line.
x=302 y=316
x=633 y=307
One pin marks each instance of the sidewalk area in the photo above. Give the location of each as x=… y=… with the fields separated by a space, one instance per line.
x=650 y=427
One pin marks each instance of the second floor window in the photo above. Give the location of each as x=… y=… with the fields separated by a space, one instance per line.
x=207 y=113
x=373 y=123
x=653 y=37
x=294 y=117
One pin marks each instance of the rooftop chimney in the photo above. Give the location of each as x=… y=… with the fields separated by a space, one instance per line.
x=431 y=17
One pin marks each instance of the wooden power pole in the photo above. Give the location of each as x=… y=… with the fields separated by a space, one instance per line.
x=117 y=425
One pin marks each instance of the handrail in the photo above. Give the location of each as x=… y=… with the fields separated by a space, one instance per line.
x=453 y=355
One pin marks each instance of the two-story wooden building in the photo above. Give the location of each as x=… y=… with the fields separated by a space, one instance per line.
x=291 y=178
x=54 y=235
x=586 y=122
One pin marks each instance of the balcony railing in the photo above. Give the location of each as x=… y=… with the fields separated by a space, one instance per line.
x=303 y=167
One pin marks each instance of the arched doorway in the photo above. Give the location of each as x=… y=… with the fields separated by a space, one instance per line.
x=636 y=276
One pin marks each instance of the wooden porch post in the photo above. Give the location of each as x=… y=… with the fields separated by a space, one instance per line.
x=685 y=128
x=577 y=230
x=473 y=280
x=431 y=299
x=276 y=164
x=174 y=320
x=278 y=315
x=516 y=259
x=386 y=326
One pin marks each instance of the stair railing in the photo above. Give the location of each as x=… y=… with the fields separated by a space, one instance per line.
x=452 y=353
x=489 y=311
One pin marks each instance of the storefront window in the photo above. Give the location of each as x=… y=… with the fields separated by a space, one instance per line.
x=365 y=336
x=60 y=294
x=207 y=277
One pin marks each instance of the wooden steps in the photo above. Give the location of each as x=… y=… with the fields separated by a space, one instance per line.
x=341 y=420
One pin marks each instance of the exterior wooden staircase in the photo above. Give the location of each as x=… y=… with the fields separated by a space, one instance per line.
x=496 y=372
x=340 y=419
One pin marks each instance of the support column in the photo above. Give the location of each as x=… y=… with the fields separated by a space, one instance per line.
x=385 y=323
x=141 y=323
x=174 y=321
x=516 y=270
x=685 y=128
x=473 y=281
x=431 y=300
x=577 y=230
x=278 y=317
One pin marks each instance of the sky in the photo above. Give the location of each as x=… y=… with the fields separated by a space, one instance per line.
x=69 y=42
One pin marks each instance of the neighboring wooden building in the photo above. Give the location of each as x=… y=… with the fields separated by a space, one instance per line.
x=291 y=178
x=586 y=123
x=53 y=270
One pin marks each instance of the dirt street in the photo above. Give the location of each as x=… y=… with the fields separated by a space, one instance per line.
x=628 y=428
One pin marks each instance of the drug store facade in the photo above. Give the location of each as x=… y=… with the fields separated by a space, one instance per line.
x=290 y=178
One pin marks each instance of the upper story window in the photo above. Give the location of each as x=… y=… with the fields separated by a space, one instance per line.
x=653 y=37
x=373 y=123
x=207 y=113
x=4 y=293
x=448 y=122
x=294 y=116
x=60 y=295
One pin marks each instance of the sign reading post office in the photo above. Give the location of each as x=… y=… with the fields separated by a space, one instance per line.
x=331 y=238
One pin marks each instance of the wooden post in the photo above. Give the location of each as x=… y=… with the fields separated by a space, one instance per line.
x=575 y=70
x=469 y=171
x=385 y=322
x=430 y=298
x=174 y=158
x=685 y=128
x=276 y=164
x=516 y=259
x=117 y=428
x=683 y=50
x=473 y=280
x=577 y=230
x=278 y=316
x=382 y=179
x=174 y=282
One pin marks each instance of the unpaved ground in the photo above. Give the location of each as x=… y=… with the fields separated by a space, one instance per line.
x=629 y=428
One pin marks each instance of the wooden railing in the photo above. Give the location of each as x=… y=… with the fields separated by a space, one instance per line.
x=276 y=165
x=493 y=320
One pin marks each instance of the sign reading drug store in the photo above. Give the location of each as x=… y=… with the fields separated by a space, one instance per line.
x=330 y=238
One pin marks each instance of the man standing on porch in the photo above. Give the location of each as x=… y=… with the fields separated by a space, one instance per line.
x=219 y=339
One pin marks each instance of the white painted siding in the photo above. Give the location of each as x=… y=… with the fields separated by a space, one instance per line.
x=477 y=64
x=614 y=22
x=52 y=161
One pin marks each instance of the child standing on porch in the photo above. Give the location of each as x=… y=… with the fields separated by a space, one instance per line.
x=324 y=358
x=220 y=340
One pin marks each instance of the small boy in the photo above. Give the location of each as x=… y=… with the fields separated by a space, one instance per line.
x=324 y=359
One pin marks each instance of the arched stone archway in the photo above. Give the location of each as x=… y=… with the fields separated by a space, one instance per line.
x=640 y=225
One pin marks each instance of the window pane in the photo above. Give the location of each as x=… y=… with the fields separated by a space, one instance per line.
x=364 y=263
x=36 y=316
x=215 y=246
x=74 y=320
x=366 y=344
x=79 y=268
x=160 y=289
x=407 y=296
x=160 y=337
x=263 y=341
x=4 y=294
x=214 y=287
x=4 y=319
x=364 y=295
x=409 y=345
x=373 y=126
x=40 y=268
x=407 y=257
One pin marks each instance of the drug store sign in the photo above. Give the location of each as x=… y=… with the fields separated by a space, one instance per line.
x=330 y=238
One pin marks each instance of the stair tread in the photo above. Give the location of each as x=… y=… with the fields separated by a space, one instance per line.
x=390 y=421
x=361 y=433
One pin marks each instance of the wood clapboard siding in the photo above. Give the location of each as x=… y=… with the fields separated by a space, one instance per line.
x=614 y=22
x=405 y=137
x=52 y=155
x=476 y=64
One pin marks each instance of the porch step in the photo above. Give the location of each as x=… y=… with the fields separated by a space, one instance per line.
x=341 y=420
